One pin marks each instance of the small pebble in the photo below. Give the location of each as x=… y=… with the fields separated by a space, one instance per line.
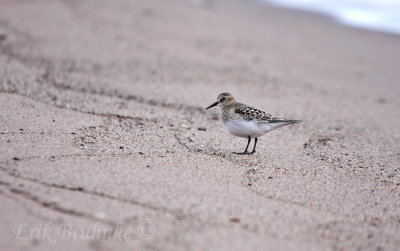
x=381 y=101
x=54 y=201
x=35 y=242
x=100 y=215
x=202 y=128
x=16 y=159
x=140 y=153
x=380 y=248
x=234 y=220
x=121 y=147
x=214 y=116
x=130 y=97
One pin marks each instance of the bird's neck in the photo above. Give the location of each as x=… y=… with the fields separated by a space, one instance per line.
x=227 y=112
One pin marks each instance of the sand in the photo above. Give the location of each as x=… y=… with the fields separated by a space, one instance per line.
x=101 y=105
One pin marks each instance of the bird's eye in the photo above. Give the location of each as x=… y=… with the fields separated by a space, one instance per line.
x=222 y=99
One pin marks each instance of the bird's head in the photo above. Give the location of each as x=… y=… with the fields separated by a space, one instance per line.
x=223 y=100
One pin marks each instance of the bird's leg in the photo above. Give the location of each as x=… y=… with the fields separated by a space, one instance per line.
x=248 y=143
x=254 y=148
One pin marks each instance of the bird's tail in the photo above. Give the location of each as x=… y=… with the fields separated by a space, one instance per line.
x=284 y=121
x=275 y=123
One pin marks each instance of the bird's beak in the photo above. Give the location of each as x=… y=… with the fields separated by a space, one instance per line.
x=212 y=105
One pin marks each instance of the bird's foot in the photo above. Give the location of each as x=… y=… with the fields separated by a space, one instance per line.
x=252 y=152
x=242 y=153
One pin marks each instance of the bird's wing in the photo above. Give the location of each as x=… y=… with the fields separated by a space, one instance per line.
x=250 y=113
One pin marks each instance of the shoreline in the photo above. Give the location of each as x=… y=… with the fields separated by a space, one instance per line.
x=343 y=17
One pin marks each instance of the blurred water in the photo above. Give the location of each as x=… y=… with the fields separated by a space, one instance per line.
x=381 y=15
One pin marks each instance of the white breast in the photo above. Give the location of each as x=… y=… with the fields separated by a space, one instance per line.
x=243 y=128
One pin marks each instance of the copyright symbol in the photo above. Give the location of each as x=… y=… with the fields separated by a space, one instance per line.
x=146 y=230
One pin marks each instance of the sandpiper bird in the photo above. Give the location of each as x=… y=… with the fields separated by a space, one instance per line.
x=245 y=121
